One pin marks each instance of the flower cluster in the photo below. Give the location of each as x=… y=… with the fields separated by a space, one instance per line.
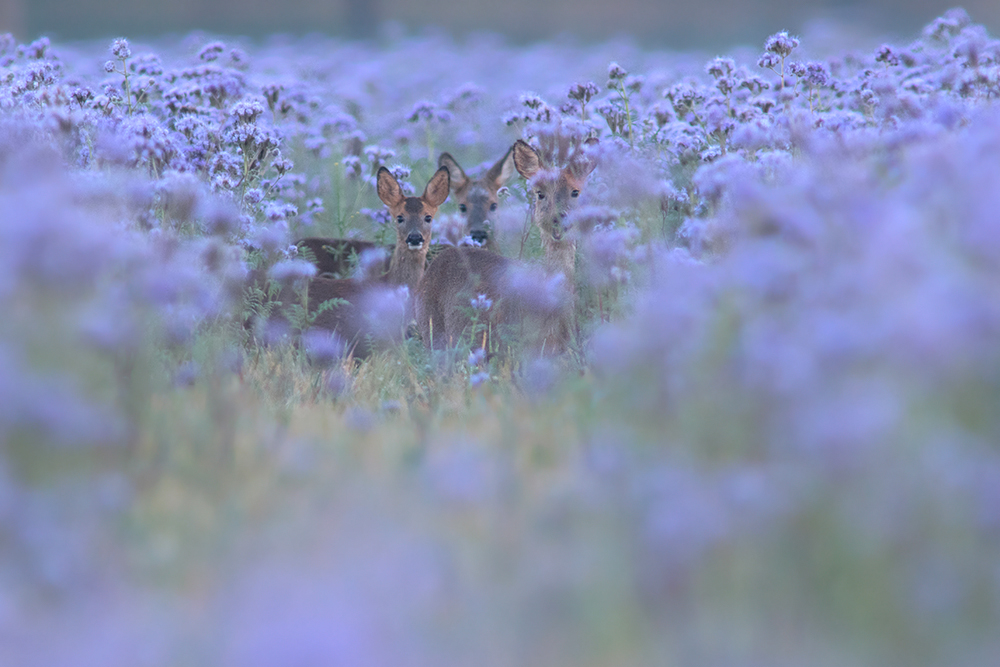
x=777 y=409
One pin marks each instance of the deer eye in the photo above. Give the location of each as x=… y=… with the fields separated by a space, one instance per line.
x=575 y=193
x=399 y=219
x=427 y=218
x=463 y=208
x=493 y=206
x=541 y=195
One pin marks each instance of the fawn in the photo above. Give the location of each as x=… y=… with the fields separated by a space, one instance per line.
x=539 y=308
x=363 y=311
x=477 y=199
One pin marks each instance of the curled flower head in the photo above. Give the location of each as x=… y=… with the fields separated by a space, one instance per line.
x=120 y=49
x=886 y=54
x=616 y=72
x=278 y=210
x=635 y=82
x=271 y=92
x=781 y=44
x=422 y=110
x=378 y=155
x=211 y=51
x=400 y=171
x=253 y=196
x=768 y=61
x=247 y=110
x=282 y=165
x=378 y=216
x=239 y=58
x=352 y=166
x=467 y=95
x=36 y=50
x=948 y=24
x=720 y=67
x=583 y=92
x=531 y=101
x=817 y=75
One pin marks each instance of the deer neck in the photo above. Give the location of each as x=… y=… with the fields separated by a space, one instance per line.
x=407 y=267
x=560 y=257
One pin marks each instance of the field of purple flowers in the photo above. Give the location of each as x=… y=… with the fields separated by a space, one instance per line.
x=774 y=440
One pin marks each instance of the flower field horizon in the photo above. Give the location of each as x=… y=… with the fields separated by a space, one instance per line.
x=774 y=438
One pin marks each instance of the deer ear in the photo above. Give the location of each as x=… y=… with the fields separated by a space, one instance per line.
x=526 y=160
x=437 y=188
x=501 y=172
x=388 y=188
x=455 y=172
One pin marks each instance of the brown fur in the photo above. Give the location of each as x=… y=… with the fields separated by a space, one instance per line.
x=338 y=258
x=536 y=310
x=350 y=317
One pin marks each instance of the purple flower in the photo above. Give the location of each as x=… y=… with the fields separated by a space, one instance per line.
x=481 y=303
x=583 y=92
x=247 y=110
x=211 y=51
x=720 y=67
x=278 y=210
x=291 y=271
x=886 y=54
x=323 y=348
x=477 y=357
x=424 y=110
x=120 y=49
x=781 y=44
x=253 y=196
x=816 y=74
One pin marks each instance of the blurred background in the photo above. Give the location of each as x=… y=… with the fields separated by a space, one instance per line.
x=675 y=24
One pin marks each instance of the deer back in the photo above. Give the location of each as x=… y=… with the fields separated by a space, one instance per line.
x=345 y=258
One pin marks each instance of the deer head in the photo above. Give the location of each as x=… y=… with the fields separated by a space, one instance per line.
x=477 y=199
x=413 y=215
x=556 y=192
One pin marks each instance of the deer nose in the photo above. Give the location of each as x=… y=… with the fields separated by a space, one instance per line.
x=479 y=235
x=558 y=228
x=415 y=240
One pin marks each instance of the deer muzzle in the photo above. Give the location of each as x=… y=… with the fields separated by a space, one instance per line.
x=415 y=241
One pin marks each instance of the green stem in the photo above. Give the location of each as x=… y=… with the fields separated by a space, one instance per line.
x=128 y=88
x=628 y=116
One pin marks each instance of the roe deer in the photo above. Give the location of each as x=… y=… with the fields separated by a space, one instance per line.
x=477 y=199
x=362 y=310
x=538 y=308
